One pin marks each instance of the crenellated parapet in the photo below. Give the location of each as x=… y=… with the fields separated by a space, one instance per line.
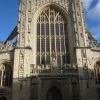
x=67 y=69
x=7 y=47
x=94 y=46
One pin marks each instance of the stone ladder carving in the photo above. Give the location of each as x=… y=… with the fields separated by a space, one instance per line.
x=21 y=67
x=21 y=36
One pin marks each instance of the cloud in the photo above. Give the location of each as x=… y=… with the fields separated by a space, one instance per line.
x=97 y=37
x=94 y=13
x=87 y=4
x=95 y=29
x=96 y=32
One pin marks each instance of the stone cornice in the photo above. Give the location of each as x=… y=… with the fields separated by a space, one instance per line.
x=28 y=47
x=82 y=47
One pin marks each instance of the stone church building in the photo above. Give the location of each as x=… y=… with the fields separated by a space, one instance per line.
x=54 y=56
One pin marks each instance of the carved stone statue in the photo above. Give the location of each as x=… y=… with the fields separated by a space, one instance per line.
x=2 y=67
x=53 y=60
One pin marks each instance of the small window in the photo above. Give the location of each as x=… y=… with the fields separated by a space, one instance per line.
x=58 y=45
x=43 y=60
x=38 y=60
x=42 y=29
x=38 y=45
x=47 y=59
x=61 y=29
x=58 y=60
x=47 y=45
x=52 y=44
x=65 y=28
x=57 y=29
x=38 y=29
x=6 y=76
x=43 y=45
x=52 y=29
x=62 y=45
x=47 y=29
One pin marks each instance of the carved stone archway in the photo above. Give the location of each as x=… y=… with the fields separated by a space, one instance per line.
x=6 y=73
x=97 y=72
x=57 y=86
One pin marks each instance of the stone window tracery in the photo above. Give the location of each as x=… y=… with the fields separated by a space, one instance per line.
x=52 y=36
x=5 y=75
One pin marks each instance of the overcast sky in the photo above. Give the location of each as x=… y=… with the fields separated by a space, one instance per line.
x=9 y=17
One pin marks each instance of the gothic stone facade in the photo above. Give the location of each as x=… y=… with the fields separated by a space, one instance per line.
x=54 y=56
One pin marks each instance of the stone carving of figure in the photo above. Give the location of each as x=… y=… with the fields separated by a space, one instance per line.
x=53 y=60
x=2 y=67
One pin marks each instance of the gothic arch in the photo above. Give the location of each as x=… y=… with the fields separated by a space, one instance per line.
x=95 y=60
x=6 y=73
x=96 y=67
x=54 y=94
x=5 y=61
x=69 y=27
x=63 y=89
x=56 y=6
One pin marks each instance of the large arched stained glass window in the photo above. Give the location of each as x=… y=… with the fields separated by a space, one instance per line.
x=52 y=36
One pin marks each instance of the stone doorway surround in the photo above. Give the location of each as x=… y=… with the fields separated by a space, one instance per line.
x=62 y=85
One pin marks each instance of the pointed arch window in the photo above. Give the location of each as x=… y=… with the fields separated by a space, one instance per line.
x=5 y=75
x=52 y=35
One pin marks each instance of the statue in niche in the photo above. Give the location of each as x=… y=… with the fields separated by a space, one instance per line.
x=2 y=67
x=84 y=53
x=22 y=54
x=23 y=12
x=2 y=46
x=81 y=35
x=33 y=91
x=17 y=39
x=85 y=65
x=9 y=43
x=23 y=23
x=21 y=66
x=53 y=60
x=76 y=36
x=24 y=2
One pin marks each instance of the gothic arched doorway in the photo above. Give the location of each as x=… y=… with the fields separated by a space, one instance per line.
x=54 y=94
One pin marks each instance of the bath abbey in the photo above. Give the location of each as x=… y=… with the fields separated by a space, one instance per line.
x=54 y=56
